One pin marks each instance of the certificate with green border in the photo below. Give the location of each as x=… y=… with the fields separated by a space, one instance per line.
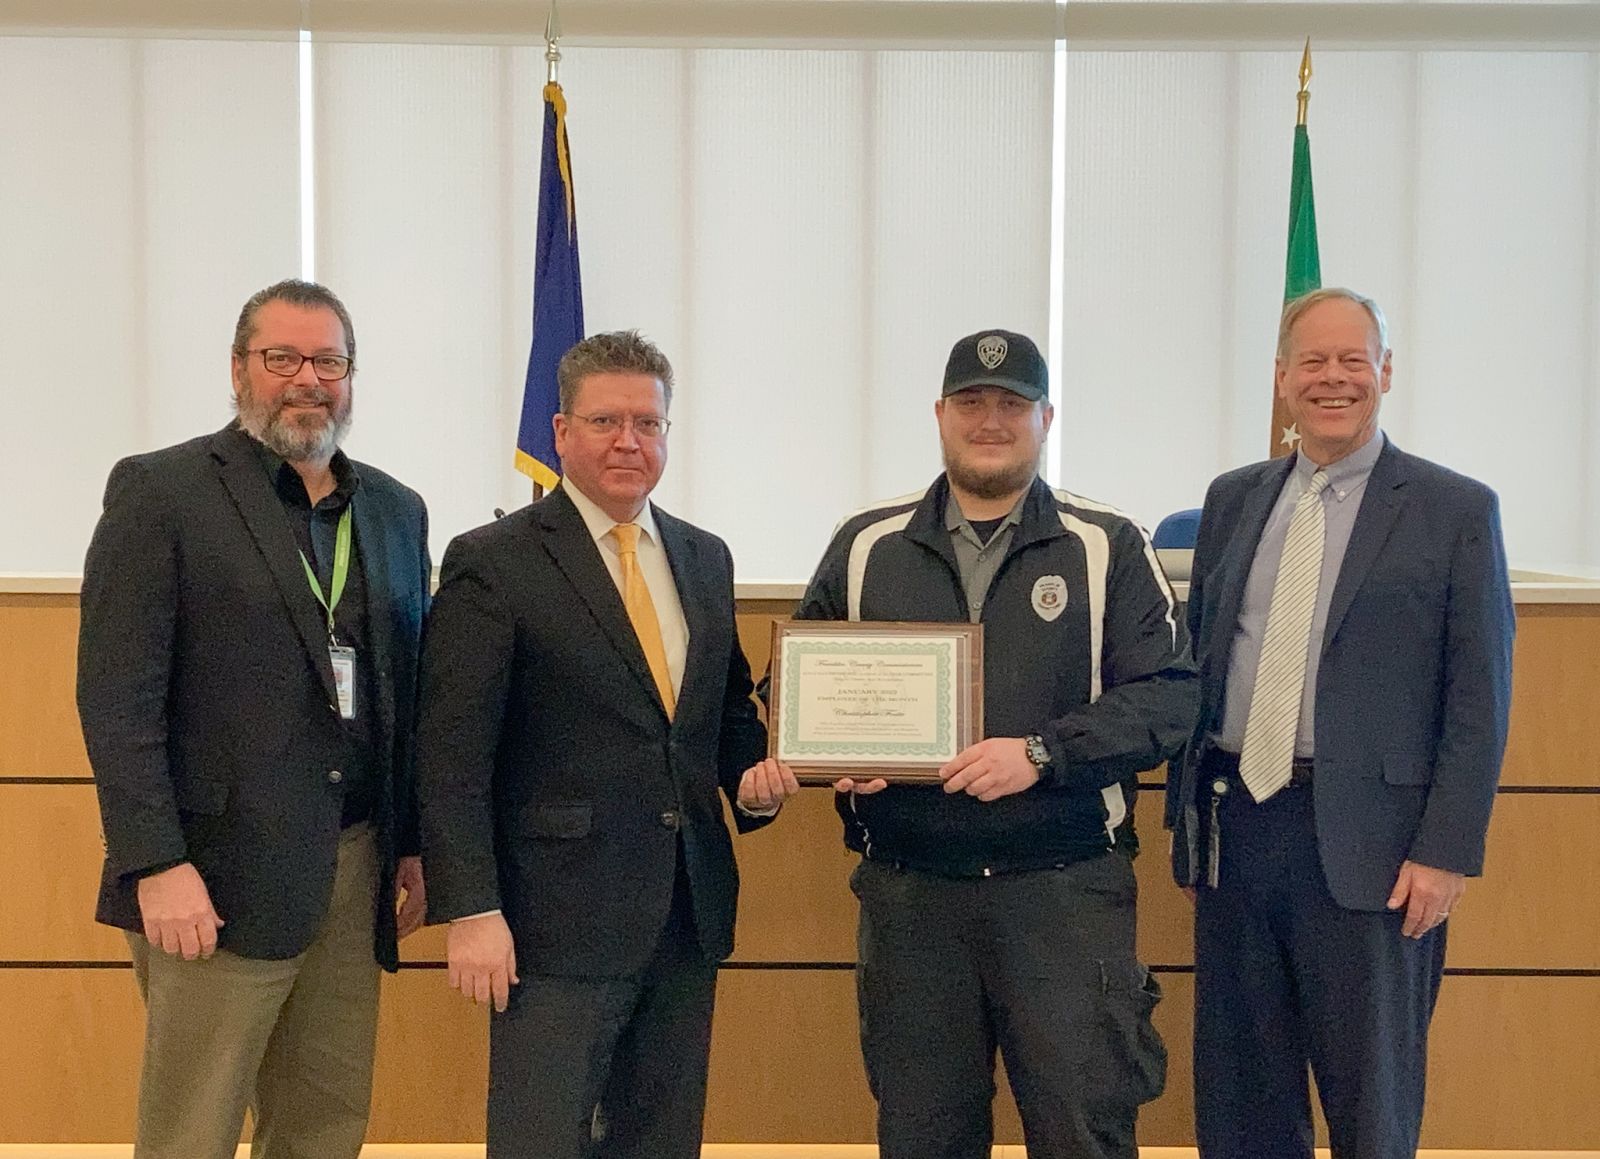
x=867 y=700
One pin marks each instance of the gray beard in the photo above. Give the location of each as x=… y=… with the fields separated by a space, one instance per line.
x=991 y=484
x=291 y=441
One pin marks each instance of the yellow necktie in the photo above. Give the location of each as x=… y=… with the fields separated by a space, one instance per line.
x=642 y=612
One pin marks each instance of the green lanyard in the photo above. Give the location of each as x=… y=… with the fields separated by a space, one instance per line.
x=341 y=570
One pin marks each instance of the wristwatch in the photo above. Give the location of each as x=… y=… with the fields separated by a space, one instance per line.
x=1033 y=744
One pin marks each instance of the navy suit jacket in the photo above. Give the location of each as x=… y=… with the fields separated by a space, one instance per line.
x=1414 y=680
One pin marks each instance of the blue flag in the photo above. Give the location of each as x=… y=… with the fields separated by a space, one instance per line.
x=557 y=296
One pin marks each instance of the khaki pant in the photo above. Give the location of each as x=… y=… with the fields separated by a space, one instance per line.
x=292 y=1040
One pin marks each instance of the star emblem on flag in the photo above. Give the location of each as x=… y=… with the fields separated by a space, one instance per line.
x=1291 y=436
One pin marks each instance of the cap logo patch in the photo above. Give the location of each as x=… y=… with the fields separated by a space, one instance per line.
x=1049 y=596
x=991 y=351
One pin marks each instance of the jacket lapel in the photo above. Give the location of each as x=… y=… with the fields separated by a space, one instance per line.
x=251 y=491
x=372 y=548
x=1380 y=507
x=1253 y=513
x=690 y=575
x=572 y=550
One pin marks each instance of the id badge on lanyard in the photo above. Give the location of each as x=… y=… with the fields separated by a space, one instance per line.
x=342 y=659
x=344 y=678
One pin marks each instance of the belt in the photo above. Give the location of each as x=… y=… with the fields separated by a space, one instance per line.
x=1219 y=771
x=1220 y=764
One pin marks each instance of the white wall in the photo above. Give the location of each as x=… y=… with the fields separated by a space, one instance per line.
x=804 y=231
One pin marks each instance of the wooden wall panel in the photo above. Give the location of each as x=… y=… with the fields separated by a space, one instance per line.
x=1511 y=918
x=786 y=1061
x=69 y=1055
x=755 y=630
x=50 y=854
x=433 y=1062
x=39 y=734
x=795 y=903
x=1166 y=915
x=1557 y=687
x=799 y=865
x=1532 y=908
x=1513 y=1063
x=1555 y=696
x=426 y=945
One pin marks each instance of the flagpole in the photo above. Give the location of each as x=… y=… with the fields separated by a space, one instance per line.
x=552 y=46
x=557 y=282
x=1303 y=265
x=1304 y=97
x=552 y=75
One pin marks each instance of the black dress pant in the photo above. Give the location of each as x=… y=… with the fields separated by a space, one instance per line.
x=607 y=1068
x=1041 y=966
x=1286 y=978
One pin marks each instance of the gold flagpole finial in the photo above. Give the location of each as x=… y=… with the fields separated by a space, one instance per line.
x=1304 y=97
x=552 y=46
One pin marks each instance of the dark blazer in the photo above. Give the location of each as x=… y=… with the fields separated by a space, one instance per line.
x=552 y=785
x=1414 y=680
x=207 y=697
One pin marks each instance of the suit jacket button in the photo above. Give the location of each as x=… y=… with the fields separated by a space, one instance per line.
x=669 y=819
x=334 y=776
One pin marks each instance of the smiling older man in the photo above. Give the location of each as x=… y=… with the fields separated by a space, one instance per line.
x=1352 y=620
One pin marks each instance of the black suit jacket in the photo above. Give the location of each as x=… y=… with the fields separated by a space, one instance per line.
x=552 y=786
x=1413 y=681
x=207 y=697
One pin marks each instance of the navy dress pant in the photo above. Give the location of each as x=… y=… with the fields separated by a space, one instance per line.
x=1285 y=980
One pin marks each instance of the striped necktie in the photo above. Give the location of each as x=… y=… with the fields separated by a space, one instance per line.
x=1267 y=758
x=642 y=612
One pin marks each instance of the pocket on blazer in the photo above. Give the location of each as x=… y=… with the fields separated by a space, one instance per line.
x=560 y=822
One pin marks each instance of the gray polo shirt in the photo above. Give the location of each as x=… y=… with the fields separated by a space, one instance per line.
x=1347 y=482
x=977 y=561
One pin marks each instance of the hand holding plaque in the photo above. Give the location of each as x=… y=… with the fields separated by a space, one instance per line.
x=874 y=700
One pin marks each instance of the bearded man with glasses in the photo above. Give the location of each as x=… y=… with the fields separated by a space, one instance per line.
x=252 y=613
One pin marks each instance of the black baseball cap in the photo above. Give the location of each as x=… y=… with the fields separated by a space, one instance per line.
x=997 y=358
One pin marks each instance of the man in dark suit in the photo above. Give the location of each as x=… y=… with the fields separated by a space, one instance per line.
x=584 y=697
x=1352 y=619
x=252 y=611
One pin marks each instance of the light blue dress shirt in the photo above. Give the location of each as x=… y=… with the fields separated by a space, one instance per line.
x=1347 y=482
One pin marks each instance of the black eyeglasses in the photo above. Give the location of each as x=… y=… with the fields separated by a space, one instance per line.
x=287 y=363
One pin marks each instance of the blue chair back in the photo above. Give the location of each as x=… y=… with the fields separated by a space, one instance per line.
x=1178 y=530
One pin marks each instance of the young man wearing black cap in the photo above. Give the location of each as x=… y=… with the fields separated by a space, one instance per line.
x=997 y=910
